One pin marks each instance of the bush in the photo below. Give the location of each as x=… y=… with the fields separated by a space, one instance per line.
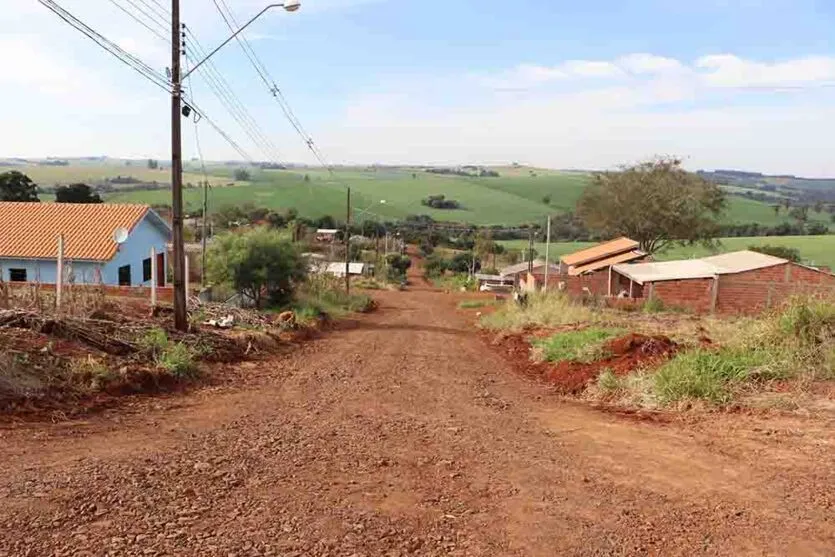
x=783 y=252
x=153 y=341
x=178 y=360
x=608 y=382
x=808 y=320
x=654 y=305
x=258 y=262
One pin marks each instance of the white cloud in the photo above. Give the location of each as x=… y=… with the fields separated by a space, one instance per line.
x=727 y=70
x=643 y=63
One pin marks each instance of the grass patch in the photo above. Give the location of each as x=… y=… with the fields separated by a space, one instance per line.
x=455 y=283
x=608 y=383
x=543 y=309
x=92 y=373
x=585 y=345
x=713 y=376
x=475 y=304
x=323 y=295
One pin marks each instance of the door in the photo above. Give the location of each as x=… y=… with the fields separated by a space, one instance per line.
x=160 y=269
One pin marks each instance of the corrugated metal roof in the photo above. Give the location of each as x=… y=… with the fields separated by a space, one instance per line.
x=606 y=249
x=666 y=270
x=603 y=263
x=725 y=264
x=30 y=230
x=739 y=261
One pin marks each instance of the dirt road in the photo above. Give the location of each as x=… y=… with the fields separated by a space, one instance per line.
x=405 y=434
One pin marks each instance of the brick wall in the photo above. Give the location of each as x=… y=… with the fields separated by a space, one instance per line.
x=597 y=283
x=693 y=294
x=748 y=292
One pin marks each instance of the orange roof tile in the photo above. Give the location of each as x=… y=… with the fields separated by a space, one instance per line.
x=603 y=263
x=606 y=249
x=30 y=230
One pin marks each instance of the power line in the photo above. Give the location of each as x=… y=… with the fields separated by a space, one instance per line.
x=134 y=63
x=139 y=20
x=268 y=80
x=223 y=91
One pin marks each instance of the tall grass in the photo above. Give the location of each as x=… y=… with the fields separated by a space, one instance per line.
x=543 y=309
x=794 y=343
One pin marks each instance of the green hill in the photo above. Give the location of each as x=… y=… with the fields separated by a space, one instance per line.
x=517 y=197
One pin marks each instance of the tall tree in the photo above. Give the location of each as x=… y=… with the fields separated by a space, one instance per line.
x=76 y=193
x=16 y=186
x=655 y=203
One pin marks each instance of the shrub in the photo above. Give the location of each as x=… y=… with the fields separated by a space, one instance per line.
x=783 y=252
x=654 y=305
x=257 y=262
x=153 y=341
x=178 y=360
x=608 y=382
x=808 y=320
x=93 y=373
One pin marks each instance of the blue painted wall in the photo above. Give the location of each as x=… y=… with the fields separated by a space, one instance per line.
x=138 y=246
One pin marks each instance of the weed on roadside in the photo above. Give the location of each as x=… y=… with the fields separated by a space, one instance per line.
x=154 y=341
x=178 y=360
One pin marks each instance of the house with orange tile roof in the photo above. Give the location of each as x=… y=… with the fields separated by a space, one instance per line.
x=104 y=243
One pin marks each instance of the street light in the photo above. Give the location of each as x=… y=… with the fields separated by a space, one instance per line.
x=289 y=6
x=180 y=278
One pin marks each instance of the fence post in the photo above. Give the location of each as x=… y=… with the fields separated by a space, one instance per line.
x=59 y=272
x=187 y=277
x=153 y=277
x=714 y=295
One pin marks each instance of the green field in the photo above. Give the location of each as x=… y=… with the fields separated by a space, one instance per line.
x=517 y=197
x=815 y=250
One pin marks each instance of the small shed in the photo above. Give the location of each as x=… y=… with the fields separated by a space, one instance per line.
x=517 y=273
x=326 y=235
x=737 y=282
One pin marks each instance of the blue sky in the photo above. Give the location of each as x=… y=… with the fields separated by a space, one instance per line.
x=723 y=83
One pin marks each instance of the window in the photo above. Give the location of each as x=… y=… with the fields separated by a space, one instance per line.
x=124 y=276
x=17 y=275
x=146 y=270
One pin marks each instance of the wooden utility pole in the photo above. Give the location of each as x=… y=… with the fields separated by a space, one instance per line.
x=180 y=315
x=348 y=244
x=59 y=279
x=203 y=233
x=547 y=251
x=530 y=250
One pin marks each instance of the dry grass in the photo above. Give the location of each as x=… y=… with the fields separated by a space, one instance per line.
x=545 y=310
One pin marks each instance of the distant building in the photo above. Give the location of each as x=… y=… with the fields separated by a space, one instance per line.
x=29 y=243
x=600 y=257
x=326 y=235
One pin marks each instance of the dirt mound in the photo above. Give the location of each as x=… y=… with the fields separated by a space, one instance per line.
x=623 y=355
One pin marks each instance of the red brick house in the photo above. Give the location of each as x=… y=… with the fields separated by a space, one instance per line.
x=737 y=282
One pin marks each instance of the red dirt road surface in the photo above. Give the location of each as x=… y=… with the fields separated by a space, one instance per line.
x=404 y=433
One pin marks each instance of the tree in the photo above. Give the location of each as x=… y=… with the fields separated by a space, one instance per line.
x=76 y=193
x=787 y=203
x=307 y=177
x=546 y=199
x=800 y=213
x=259 y=263
x=242 y=175
x=776 y=210
x=655 y=203
x=16 y=186
x=819 y=206
x=153 y=164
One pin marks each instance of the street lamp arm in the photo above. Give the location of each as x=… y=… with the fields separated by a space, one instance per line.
x=235 y=34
